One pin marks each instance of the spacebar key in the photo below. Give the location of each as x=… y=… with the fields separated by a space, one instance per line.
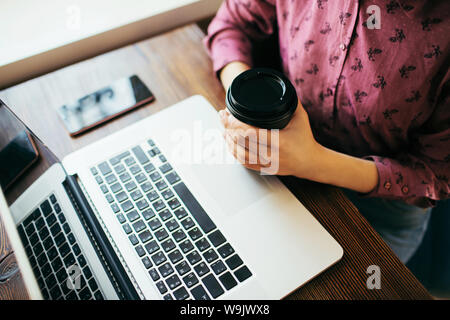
x=194 y=207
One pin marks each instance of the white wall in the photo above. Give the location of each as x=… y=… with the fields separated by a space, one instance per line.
x=42 y=35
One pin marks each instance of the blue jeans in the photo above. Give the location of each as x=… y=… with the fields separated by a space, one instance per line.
x=402 y=226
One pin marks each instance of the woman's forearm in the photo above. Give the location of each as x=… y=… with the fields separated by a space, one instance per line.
x=231 y=71
x=344 y=171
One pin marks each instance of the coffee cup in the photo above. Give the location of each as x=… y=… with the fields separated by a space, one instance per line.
x=263 y=98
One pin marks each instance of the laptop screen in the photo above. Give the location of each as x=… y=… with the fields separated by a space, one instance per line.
x=23 y=157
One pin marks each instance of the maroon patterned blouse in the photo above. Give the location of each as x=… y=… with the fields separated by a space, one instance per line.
x=381 y=94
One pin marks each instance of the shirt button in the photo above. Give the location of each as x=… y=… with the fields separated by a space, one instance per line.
x=405 y=189
x=342 y=46
x=387 y=185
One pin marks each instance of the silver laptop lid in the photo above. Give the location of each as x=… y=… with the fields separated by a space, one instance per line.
x=11 y=128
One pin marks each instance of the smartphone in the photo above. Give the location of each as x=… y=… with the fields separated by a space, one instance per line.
x=16 y=157
x=121 y=96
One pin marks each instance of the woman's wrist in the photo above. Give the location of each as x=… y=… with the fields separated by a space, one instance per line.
x=335 y=168
x=231 y=71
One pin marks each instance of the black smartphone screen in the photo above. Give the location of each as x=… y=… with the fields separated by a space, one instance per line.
x=16 y=157
x=102 y=105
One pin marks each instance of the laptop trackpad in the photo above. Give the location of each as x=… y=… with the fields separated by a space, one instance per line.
x=232 y=186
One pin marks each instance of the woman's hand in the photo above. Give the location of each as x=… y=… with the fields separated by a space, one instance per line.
x=294 y=151
x=289 y=151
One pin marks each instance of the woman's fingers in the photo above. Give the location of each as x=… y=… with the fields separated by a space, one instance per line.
x=249 y=158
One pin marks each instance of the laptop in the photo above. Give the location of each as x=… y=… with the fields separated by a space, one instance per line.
x=158 y=210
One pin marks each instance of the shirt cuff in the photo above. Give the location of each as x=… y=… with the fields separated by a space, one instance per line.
x=385 y=188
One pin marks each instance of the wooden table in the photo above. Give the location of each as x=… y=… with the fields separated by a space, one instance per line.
x=175 y=66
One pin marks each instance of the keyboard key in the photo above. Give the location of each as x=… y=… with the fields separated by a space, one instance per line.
x=125 y=177
x=146 y=186
x=172 y=177
x=52 y=253
x=40 y=223
x=133 y=216
x=168 y=245
x=76 y=249
x=111 y=179
x=179 y=235
x=161 y=287
x=130 y=161
x=228 y=281
x=181 y=293
x=166 y=167
x=183 y=268
x=159 y=258
x=119 y=168
x=180 y=213
x=201 y=269
x=104 y=189
x=202 y=218
x=87 y=272
x=216 y=238
x=172 y=225
x=202 y=244
x=213 y=286
x=155 y=176
x=147 y=262
x=140 y=251
x=161 y=234
x=225 y=250
x=152 y=196
x=38 y=249
x=30 y=229
x=66 y=228
x=149 y=168
x=140 y=155
x=165 y=214
x=174 y=203
x=175 y=256
x=60 y=239
x=105 y=169
x=142 y=204
x=162 y=158
x=234 y=262
x=55 y=292
x=148 y=214
x=98 y=295
x=161 y=185
x=56 y=264
x=94 y=171
x=155 y=151
x=136 y=195
x=151 y=142
x=115 y=208
x=145 y=236
x=194 y=257
x=190 y=280
x=140 y=178
x=153 y=274
x=82 y=261
x=167 y=194
x=218 y=267
x=121 y=218
x=210 y=256
x=133 y=239
x=69 y=260
x=186 y=246
x=109 y=198
x=93 y=284
x=242 y=273
x=152 y=247
x=99 y=179
x=188 y=223
x=126 y=227
x=116 y=187
x=173 y=282
x=199 y=293
x=168 y=297
x=57 y=208
x=62 y=219
x=195 y=233
x=127 y=206
x=138 y=226
x=154 y=224
x=52 y=198
x=130 y=186
x=85 y=294
x=46 y=208
x=165 y=270
x=159 y=205
x=121 y=196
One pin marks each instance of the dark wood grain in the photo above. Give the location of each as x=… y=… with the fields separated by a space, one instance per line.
x=175 y=66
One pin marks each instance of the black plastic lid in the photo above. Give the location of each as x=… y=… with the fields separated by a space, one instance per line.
x=262 y=97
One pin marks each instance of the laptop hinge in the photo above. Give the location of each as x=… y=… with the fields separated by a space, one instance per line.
x=100 y=241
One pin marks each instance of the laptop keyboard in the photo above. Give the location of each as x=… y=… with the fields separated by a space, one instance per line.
x=52 y=248
x=185 y=254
